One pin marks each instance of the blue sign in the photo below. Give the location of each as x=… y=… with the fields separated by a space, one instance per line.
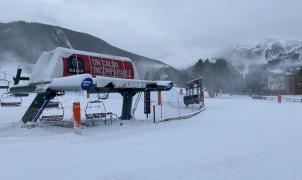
x=86 y=84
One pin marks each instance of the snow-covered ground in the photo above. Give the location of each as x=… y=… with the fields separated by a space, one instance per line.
x=235 y=138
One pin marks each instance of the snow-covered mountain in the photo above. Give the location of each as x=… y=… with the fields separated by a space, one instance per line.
x=24 y=42
x=266 y=48
x=276 y=53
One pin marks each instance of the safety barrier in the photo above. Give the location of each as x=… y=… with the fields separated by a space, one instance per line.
x=182 y=116
x=277 y=98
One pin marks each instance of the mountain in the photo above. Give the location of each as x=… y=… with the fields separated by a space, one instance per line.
x=266 y=48
x=276 y=53
x=26 y=41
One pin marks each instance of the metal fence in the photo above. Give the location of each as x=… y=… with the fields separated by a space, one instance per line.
x=286 y=99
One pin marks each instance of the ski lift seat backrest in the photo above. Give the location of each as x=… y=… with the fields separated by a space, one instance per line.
x=103 y=96
x=9 y=100
x=4 y=84
x=10 y=104
x=53 y=104
x=94 y=102
x=95 y=109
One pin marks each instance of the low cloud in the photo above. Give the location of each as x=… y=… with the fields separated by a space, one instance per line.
x=180 y=32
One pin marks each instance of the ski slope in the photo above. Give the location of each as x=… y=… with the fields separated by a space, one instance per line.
x=235 y=138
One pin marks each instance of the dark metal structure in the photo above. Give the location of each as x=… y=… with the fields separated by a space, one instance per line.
x=194 y=92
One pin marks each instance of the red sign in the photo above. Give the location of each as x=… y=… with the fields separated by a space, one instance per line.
x=97 y=66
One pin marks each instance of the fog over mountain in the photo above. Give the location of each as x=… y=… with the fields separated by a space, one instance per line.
x=275 y=52
x=176 y=32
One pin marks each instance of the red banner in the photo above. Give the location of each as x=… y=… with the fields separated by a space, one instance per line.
x=97 y=66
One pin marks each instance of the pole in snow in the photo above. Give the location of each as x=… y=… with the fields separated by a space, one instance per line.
x=279 y=98
x=202 y=98
x=160 y=103
x=154 y=114
x=147 y=102
x=76 y=108
x=161 y=111
x=178 y=110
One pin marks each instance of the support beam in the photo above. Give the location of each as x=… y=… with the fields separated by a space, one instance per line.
x=127 y=104
x=19 y=77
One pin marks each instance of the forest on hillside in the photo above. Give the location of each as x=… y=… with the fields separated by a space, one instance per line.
x=220 y=75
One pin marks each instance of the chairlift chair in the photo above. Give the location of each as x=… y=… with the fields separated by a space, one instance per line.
x=103 y=96
x=9 y=100
x=4 y=83
x=95 y=111
x=54 y=112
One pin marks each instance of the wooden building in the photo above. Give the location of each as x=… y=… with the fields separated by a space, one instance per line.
x=284 y=83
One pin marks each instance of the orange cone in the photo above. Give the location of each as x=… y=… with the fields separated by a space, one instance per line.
x=76 y=108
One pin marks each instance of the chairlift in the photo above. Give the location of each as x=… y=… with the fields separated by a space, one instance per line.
x=4 y=83
x=10 y=100
x=54 y=112
x=95 y=111
x=103 y=96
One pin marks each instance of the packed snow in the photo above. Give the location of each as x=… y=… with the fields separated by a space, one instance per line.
x=236 y=137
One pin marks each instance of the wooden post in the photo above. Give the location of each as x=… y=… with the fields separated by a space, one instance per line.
x=159 y=102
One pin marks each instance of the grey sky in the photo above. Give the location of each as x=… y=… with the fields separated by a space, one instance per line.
x=176 y=32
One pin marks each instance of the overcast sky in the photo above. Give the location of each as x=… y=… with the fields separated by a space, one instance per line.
x=176 y=32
